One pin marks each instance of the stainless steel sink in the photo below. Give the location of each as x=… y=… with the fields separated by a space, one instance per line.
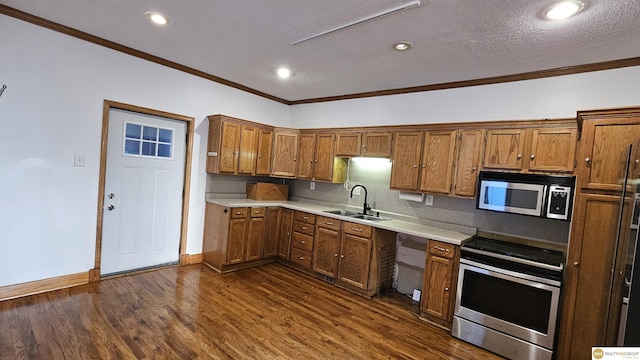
x=369 y=217
x=342 y=212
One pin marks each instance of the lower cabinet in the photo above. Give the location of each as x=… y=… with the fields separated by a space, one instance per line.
x=327 y=246
x=272 y=224
x=302 y=238
x=234 y=237
x=355 y=255
x=284 y=238
x=440 y=281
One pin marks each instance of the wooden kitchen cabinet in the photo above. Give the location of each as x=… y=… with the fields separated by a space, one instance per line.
x=368 y=144
x=327 y=246
x=237 y=236
x=531 y=150
x=437 y=161
x=316 y=160
x=285 y=152
x=603 y=153
x=467 y=163
x=272 y=232
x=407 y=150
x=232 y=145
x=355 y=254
x=284 y=238
x=302 y=239
x=440 y=282
x=256 y=234
x=504 y=149
x=265 y=145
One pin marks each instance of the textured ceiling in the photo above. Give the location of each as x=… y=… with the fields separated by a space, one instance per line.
x=454 y=40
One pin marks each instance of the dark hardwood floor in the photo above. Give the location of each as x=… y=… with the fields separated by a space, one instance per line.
x=190 y=312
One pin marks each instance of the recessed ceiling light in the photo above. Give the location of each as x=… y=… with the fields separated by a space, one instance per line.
x=563 y=9
x=157 y=18
x=403 y=45
x=284 y=72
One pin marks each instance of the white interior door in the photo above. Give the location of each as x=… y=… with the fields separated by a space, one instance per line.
x=143 y=191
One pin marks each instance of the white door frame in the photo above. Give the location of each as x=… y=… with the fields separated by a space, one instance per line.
x=94 y=274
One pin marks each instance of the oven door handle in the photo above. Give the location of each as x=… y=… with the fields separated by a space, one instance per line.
x=481 y=266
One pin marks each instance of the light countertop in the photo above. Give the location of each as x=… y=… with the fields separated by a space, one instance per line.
x=396 y=225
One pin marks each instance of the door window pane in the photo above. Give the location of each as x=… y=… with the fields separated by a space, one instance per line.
x=164 y=150
x=132 y=147
x=133 y=131
x=150 y=133
x=165 y=135
x=156 y=142
x=148 y=148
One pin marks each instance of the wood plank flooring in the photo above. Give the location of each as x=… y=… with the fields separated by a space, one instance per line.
x=191 y=312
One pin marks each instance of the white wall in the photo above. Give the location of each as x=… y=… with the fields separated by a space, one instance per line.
x=52 y=109
x=549 y=98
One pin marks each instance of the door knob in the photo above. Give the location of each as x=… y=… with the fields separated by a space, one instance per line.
x=110 y=207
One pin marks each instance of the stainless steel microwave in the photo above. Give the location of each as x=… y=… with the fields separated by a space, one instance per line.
x=526 y=194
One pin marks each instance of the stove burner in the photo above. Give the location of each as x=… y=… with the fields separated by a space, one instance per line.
x=530 y=253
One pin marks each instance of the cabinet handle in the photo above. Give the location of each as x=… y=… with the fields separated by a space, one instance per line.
x=576 y=263
x=316 y=160
x=441 y=249
x=356 y=229
x=240 y=213
x=302 y=242
x=637 y=161
x=587 y=160
x=328 y=223
x=304 y=228
x=533 y=156
x=301 y=257
x=304 y=217
x=519 y=156
x=474 y=168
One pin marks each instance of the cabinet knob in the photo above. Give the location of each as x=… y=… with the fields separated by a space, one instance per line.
x=424 y=166
x=356 y=229
x=637 y=161
x=587 y=160
x=474 y=168
x=336 y=254
x=301 y=257
x=415 y=166
x=533 y=156
x=576 y=263
x=304 y=228
x=446 y=289
x=302 y=242
x=342 y=256
x=519 y=156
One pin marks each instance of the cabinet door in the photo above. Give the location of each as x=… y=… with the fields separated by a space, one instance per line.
x=589 y=274
x=285 y=150
x=553 y=149
x=376 y=144
x=229 y=144
x=603 y=155
x=306 y=149
x=325 y=251
x=406 y=157
x=437 y=161
x=237 y=240
x=263 y=160
x=468 y=162
x=286 y=225
x=247 y=150
x=504 y=149
x=255 y=238
x=437 y=287
x=355 y=259
x=323 y=158
x=272 y=232
x=348 y=144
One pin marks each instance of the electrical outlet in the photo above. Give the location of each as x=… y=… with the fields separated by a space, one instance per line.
x=416 y=295
x=312 y=185
x=356 y=191
x=428 y=200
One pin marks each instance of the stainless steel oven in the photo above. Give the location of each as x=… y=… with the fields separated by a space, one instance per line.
x=507 y=299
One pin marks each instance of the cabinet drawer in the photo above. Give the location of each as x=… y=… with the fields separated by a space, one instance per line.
x=301 y=257
x=239 y=212
x=357 y=229
x=302 y=242
x=328 y=223
x=304 y=217
x=441 y=249
x=303 y=228
x=257 y=212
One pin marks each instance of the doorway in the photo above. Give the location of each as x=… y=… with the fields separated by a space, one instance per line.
x=143 y=189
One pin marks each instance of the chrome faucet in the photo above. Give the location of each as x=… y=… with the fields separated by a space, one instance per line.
x=366 y=206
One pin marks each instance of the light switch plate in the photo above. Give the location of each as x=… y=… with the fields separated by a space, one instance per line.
x=78 y=160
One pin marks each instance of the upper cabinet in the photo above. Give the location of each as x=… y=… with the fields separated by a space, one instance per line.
x=233 y=145
x=603 y=155
x=265 y=145
x=285 y=152
x=316 y=160
x=533 y=150
x=406 y=159
x=368 y=143
x=449 y=161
